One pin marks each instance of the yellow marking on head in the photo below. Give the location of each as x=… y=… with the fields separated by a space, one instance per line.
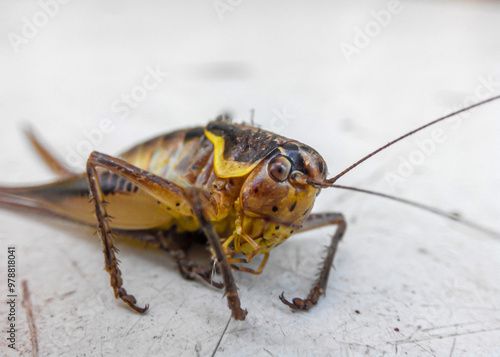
x=227 y=168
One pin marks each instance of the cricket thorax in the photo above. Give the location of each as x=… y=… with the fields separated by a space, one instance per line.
x=186 y=158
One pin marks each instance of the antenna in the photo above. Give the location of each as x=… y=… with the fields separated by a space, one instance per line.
x=333 y=179
x=437 y=211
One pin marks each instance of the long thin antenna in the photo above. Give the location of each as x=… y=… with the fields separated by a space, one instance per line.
x=415 y=204
x=332 y=180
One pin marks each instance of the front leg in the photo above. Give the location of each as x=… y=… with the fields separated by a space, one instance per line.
x=197 y=200
x=249 y=270
x=316 y=221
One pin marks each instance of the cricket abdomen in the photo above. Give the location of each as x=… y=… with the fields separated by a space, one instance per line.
x=130 y=207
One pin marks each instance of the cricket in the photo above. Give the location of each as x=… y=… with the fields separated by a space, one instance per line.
x=241 y=189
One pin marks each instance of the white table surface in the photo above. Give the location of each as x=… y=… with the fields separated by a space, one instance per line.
x=434 y=280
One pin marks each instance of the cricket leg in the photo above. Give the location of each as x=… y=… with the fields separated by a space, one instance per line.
x=188 y=202
x=168 y=241
x=54 y=164
x=259 y=270
x=188 y=269
x=157 y=187
x=196 y=197
x=191 y=271
x=104 y=230
x=316 y=221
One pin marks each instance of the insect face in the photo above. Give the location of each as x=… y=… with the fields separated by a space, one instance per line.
x=272 y=197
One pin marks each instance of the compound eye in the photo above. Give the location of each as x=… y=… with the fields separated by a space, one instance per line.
x=280 y=168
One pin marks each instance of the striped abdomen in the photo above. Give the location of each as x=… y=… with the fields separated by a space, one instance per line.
x=183 y=157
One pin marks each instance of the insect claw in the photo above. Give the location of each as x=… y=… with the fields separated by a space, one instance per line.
x=297 y=303
x=285 y=301
x=131 y=301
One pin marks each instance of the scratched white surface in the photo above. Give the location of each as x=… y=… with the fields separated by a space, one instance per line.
x=434 y=280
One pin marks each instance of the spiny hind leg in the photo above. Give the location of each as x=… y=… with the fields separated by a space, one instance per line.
x=189 y=201
x=59 y=168
x=143 y=180
x=316 y=221
x=104 y=230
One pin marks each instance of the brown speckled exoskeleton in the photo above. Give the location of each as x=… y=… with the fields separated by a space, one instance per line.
x=246 y=189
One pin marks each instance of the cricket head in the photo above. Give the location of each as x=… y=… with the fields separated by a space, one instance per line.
x=277 y=191
x=276 y=196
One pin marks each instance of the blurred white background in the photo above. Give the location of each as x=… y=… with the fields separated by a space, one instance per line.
x=344 y=77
